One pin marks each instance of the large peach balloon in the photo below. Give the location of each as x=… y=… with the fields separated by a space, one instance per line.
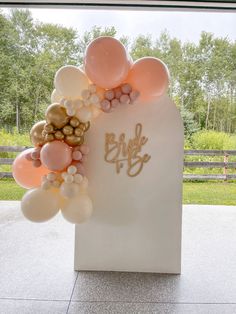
x=56 y=155
x=106 y=62
x=150 y=77
x=24 y=173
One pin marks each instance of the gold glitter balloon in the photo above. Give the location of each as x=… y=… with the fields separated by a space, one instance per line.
x=74 y=122
x=59 y=135
x=68 y=130
x=36 y=133
x=73 y=140
x=49 y=128
x=78 y=132
x=56 y=115
x=49 y=137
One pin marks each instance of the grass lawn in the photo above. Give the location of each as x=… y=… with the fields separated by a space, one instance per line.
x=214 y=193
x=210 y=193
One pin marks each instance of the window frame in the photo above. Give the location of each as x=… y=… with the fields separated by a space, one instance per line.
x=182 y=5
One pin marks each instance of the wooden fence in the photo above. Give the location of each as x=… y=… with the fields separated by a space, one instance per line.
x=225 y=164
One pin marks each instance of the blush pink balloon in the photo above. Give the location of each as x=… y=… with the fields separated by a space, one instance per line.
x=24 y=172
x=106 y=62
x=150 y=77
x=56 y=155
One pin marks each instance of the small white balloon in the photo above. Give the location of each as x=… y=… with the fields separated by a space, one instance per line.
x=72 y=169
x=94 y=99
x=69 y=190
x=51 y=176
x=78 y=103
x=39 y=205
x=87 y=102
x=84 y=114
x=69 y=178
x=46 y=185
x=63 y=175
x=68 y=104
x=78 y=178
x=56 y=184
x=62 y=101
x=85 y=94
x=70 y=81
x=56 y=97
x=71 y=112
x=78 y=209
x=95 y=110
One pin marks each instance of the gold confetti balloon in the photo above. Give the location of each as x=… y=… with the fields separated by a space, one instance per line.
x=73 y=140
x=56 y=115
x=74 y=122
x=59 y=135
x=68 y=130
x=36 y=133
x=78 y=132
x=49 y=137
x=49 y=128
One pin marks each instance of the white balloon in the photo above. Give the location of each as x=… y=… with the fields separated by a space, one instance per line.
x=69 y=190
x=39 y=205
x=56 y=97
x=78 y=209
x=72 y=169
x=95 y=111
x=70 y=81
x=84 y=114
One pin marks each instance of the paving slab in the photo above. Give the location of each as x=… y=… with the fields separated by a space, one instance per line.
x=208 y=266
x=149 y=308
x=32 y=307
x=36 y=263
x=36 y=260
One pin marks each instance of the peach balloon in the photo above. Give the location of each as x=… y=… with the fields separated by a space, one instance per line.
x=106 y=62
x=56 y=155
x=150 y=77
x=24 y=172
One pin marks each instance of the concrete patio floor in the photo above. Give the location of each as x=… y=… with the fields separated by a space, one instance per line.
x=36 y=270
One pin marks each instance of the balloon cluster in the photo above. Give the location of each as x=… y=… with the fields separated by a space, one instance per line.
x=53 y=170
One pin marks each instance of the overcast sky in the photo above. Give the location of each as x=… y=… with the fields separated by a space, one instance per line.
x=186 y=26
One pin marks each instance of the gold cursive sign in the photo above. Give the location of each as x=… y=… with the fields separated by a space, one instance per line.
x=118 y=152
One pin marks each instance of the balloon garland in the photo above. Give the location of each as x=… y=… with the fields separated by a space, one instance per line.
x=53 y=170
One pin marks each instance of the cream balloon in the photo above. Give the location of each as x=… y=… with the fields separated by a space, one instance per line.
x=40 y=205
x=69 y=81
x=84 y=114
x=95 y=111
x=69 y=190
x=78 y=209
x=56 y=97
